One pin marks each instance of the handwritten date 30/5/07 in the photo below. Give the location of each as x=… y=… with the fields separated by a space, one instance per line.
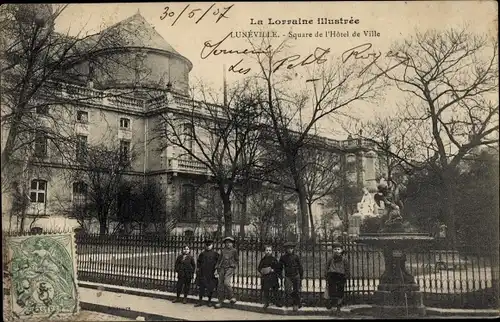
x=196 y=13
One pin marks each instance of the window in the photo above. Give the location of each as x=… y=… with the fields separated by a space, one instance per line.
x=124 y=123
x=43 y=109
x=82 y=117
x=188 y=199
x=79 y=192
x=125 y=152
x=81 y=148
x=351 y=163
x=188 y=137
x=40 y=145
x=38 y=191
x=80 y=206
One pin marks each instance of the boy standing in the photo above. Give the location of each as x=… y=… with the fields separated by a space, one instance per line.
x=185 y=267
x=205 y=273
x=269 y=269
x=293 y=272
x=337 y=274
x=228 y=260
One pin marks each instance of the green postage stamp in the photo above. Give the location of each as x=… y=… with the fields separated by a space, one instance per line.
x=43 y=275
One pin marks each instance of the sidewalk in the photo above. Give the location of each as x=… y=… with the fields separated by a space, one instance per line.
x=104 y=297
x=162 y=309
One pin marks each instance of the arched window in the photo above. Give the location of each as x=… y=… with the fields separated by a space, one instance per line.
x=38 y=191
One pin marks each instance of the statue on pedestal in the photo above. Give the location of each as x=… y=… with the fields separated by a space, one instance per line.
x=366 y=207
x=387 y=198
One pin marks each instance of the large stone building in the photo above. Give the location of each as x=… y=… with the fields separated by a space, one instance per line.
x=128 y=121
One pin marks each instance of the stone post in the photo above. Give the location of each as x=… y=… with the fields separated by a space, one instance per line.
x=398 y=294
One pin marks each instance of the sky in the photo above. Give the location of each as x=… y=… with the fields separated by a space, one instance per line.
x=393 y=21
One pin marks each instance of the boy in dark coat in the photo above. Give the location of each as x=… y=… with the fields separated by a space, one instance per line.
x=269 y=269
x=205 y=273
x=185 y=267
x=227 y=263
x=337 y=272
x=294 y=272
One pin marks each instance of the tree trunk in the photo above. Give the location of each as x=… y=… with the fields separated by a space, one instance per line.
x=243 y=215
x=449 y=212
x=103 y=223
x=22 y=220
x=8 y=149
x=311 y=219
x=303 y=211
x=102 y=227
x=228 y=219
x=282 y=229
x=219 y=226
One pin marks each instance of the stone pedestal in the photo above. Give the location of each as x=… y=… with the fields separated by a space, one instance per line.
x=397 y=294
x=398 y=301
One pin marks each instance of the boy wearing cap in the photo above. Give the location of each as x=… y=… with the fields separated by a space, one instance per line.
x=185 y=267
x=269 y=270
x=228 y=260
x=205 y=272
x=294 y=272
x=337 y=273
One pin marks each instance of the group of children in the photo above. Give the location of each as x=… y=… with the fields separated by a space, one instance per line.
x=214 y=271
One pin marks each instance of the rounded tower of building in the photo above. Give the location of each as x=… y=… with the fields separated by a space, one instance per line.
x=132 y=54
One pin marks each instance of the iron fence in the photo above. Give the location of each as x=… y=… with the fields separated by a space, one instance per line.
x=448 y=278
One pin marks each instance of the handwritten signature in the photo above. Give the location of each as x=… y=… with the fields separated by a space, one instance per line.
x=296 y=60
x=360 y=52
x=209 y=48
x=213 y=49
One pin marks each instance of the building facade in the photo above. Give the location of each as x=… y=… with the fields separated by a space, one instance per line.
x=109 y=115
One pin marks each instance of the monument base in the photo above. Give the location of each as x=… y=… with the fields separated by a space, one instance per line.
x=401 y=300
x=398 y=294
x=399 y=311
x=393 y=301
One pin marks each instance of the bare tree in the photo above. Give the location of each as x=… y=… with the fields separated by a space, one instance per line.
x=44 y=74
x=322 y=177
x=264 y=209
x=451 y=84
x=267 y=211
x=224 y=138
x=294 y=112
x=153 y=207
x=99 y=180
x=342 y=200
x=210 y=207
x=393 y=141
